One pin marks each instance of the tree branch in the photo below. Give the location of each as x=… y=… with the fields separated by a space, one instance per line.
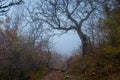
x=59 y=27
x=77 y=5
x=86 y=17
x=64 y=28
x=11 y=4
x=71 y=18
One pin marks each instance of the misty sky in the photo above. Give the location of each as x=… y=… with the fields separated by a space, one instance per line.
x=66 y=43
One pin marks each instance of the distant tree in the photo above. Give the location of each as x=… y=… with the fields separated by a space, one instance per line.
x=56 y=61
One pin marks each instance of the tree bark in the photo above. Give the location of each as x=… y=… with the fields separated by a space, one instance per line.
x=86 y=43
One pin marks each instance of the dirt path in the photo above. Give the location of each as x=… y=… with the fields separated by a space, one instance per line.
x=54 y=75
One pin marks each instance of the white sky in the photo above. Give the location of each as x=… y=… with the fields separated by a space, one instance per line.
x=66 y=43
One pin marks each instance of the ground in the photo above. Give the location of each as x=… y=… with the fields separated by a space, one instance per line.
x=54 y=75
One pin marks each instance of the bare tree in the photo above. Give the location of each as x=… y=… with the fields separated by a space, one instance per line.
x=66 y=15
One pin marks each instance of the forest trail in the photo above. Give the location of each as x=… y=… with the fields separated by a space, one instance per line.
x=54 y=75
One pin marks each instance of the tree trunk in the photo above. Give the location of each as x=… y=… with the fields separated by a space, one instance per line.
x=86 y=43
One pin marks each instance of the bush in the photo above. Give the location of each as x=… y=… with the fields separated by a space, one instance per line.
x=18 y=59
